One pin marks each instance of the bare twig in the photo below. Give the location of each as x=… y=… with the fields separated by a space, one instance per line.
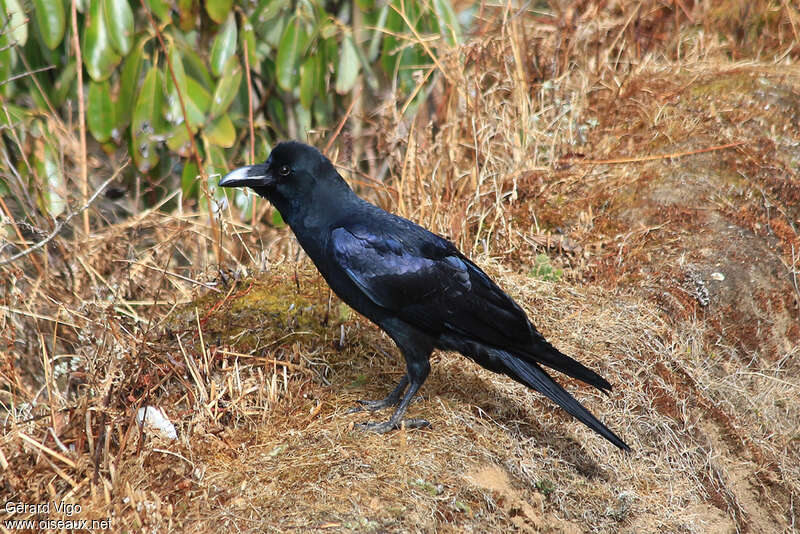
x=252 y=158
x=154 y=25
x=37 y=316
x=63 y=223
x=420 y=40
x=81 y=117
x=653 y=157
x=417 y=89
x=24 y=437
x=342 y=122
x=7 y=213
x=170 y=273
x=249 y=104
x=25 y=74
x=193 y=146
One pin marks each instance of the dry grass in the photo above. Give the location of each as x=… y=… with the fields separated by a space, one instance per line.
x=256 y=364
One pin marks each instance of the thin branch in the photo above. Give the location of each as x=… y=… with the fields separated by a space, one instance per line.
x=25 y=74
x=254 y=197
x=249 y=104
x=420 y=40
x=14 y=224
x=154 y=25
x=63 y=223
x=176 y=275
x=654 y=157
x=417 y=89
x=81 y=116
x=195 y=153
x=342 y=123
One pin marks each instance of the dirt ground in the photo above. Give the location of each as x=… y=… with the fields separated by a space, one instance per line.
x=630 y=177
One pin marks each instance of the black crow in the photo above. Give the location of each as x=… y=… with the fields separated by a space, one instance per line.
x=413 y=284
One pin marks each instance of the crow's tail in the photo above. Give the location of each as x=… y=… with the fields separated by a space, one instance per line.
x=533 y=376
x=544 y=353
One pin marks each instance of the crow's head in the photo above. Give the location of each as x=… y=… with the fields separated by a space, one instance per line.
x=292 y=170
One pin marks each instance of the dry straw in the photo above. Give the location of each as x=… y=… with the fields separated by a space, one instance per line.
x=510 y=157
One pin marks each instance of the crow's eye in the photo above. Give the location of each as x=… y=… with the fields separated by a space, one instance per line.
x=284 y=170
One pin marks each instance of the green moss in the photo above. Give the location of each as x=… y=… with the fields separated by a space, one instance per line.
x=260 y=311
x=722 y=87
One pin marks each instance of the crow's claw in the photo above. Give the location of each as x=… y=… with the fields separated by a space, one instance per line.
x=388 y=426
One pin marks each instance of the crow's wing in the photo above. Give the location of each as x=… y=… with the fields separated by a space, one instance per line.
x=427 y=282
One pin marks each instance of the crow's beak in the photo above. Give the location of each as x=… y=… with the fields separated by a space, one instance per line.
x=250 y=176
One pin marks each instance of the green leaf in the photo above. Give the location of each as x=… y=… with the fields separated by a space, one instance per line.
x=263 y=148
x=448 y=22
x=277 y=112
x=51 y=21
x=46 y=164
x=129 y=83
x=160 y=9
x=14 y=21
x=221 y=132
x=227 y=86
x=268 y=10
x=377 y=34
x=197 y=102
x=292 y=46
x=322 y=110
x=174 y=112
x=100 y=111
x=272 y=32
x=277 y=220
x=189 y=179
x=16 y=114
x=369 y=75
x=396 y=56
x=215 y=166
x=99 y=56
x=119 y=20
x=310 y=80
x=224 y=46
x=391 y=51
x=175 y=62
x=248 y=36
x=328 y=29
x=302 y=120
x=349 y=65
x=218 y=9
x=269 y=21
x=195 y=66
x=64 y=83
x=147 y=123
x=178 y=141
x=187 y=14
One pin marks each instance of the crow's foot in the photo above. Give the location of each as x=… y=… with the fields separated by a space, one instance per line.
x=392 y=399
x=388 y=426
x=374 y=405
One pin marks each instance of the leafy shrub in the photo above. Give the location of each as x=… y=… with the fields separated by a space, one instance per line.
x=167 y=81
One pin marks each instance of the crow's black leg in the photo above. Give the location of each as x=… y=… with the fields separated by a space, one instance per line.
x=416 y=348
x=392 y=399
x=396 y=420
